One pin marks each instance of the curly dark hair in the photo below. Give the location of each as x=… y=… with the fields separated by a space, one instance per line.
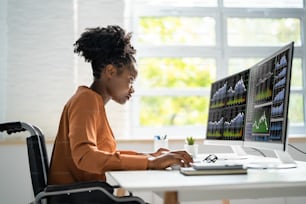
x=104 y=46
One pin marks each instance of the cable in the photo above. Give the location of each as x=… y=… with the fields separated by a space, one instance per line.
x=259 y=151
x=297 y=149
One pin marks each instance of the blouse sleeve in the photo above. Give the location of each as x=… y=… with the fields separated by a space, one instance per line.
x=83 y=141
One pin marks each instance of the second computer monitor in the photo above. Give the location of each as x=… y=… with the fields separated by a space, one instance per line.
x=227 y=110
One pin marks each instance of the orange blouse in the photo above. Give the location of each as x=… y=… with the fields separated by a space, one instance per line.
x=85 y=147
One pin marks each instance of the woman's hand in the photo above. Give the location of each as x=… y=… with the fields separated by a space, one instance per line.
x=159 y=152
x=168 y=159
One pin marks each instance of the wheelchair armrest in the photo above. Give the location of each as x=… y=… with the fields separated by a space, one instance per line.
x=11 y=127
x=79 y=185
x=103 y=187
x=75 y=188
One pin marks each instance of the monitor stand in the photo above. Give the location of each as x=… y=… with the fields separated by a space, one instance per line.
x=238 y=154
x=283 y=161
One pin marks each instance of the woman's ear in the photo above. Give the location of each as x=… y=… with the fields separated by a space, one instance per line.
x=110 y=71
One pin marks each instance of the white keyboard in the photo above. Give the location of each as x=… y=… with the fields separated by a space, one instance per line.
x=225 y=164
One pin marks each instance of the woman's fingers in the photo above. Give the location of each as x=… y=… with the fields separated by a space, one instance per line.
x=184 y=156
x=168 y=159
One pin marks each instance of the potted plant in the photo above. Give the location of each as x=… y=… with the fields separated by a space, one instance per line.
x=191 y=147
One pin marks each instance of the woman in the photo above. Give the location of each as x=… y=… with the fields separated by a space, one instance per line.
x=85 y=147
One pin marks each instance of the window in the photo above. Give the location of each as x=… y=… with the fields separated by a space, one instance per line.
x=279 y=31
x=183 y=47
x=175 y=74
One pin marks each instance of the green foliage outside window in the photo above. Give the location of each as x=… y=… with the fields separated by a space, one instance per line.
x=176 y=72
x=263 y=31
x=172 y=30
x=168 y=111
x=184 y=73
x=296 y=110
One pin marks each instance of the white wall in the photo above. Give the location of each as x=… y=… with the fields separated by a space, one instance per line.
x=3 y=56
x=38 y=68
x=39 y=61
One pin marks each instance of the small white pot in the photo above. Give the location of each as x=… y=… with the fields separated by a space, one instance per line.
x=192 y=149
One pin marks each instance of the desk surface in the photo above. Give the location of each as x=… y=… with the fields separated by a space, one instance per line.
x=258 y=183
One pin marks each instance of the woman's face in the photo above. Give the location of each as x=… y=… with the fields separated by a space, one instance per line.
x=120 y=86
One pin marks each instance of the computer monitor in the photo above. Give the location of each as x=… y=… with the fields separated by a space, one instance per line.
x=227 y=110
x=267 y=106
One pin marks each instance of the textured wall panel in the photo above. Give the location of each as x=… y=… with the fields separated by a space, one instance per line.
x=42 y=70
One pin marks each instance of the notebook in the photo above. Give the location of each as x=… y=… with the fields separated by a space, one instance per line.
x=214 y=169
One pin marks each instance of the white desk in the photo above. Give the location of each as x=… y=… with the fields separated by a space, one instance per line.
x=256 y=184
